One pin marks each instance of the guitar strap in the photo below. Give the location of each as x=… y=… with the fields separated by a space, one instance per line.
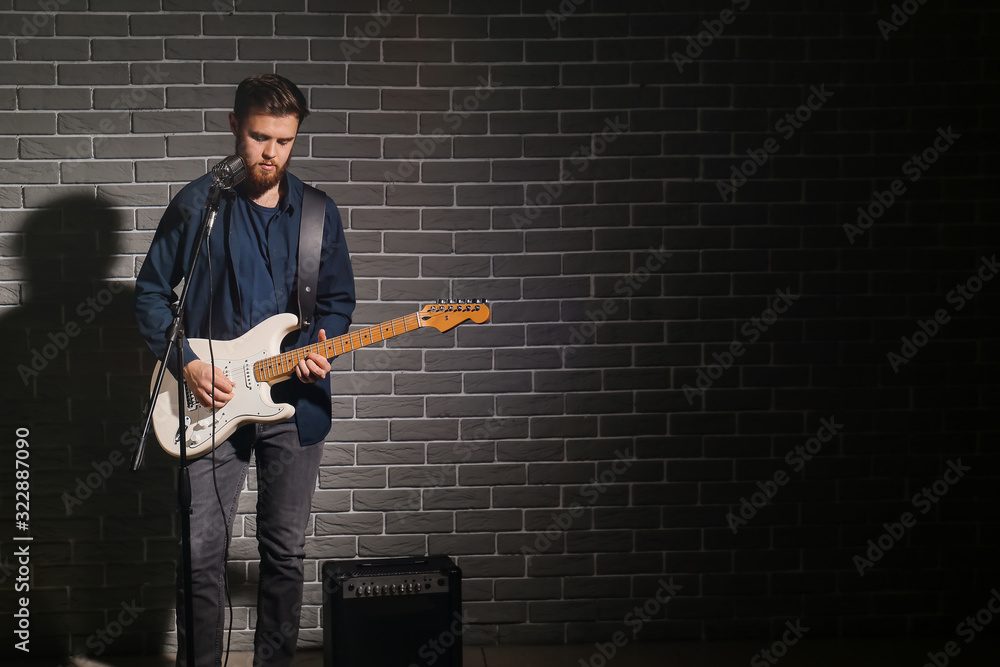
x=310 y=248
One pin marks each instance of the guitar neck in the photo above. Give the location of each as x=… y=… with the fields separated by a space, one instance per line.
x=282 y=366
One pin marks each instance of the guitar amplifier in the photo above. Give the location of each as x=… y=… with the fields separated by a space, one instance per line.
x=392 y=612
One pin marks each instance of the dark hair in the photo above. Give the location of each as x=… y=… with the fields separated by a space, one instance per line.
x=272 y=94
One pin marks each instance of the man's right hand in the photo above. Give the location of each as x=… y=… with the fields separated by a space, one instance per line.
x=200 y=378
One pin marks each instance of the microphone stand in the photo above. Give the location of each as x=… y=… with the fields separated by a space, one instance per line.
x=175 y=340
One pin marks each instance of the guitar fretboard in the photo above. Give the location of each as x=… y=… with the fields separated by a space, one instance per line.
x=283 y=365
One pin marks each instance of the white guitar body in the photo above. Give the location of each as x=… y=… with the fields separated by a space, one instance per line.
x=251 y=400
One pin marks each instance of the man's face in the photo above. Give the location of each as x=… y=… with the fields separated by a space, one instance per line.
x=265 y=144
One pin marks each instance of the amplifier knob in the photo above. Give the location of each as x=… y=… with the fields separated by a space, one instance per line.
x=368 y=590
x=385 y=589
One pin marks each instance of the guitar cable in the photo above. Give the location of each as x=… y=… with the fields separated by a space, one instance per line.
x=215 y=481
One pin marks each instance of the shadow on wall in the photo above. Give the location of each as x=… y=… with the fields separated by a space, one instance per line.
x=102 y=545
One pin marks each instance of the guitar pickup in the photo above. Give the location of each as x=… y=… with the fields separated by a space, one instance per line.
x=189 y=399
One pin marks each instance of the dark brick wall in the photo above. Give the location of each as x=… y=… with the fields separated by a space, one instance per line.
x=695 y=372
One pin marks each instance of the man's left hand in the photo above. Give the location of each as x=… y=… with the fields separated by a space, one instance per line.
x=314 y=367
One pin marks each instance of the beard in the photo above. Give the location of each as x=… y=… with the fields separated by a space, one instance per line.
x=259 y=181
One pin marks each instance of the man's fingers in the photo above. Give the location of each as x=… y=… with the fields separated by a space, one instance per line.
x=223 y=387
x=312 y=368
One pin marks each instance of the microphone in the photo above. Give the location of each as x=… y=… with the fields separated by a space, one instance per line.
x=229 y=173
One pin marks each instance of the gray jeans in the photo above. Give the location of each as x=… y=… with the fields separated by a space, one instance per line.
x=286 y=479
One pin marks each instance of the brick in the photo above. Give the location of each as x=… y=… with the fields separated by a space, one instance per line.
x=381 y=75
x=402 y=99
x=27 y=25
x=382 y=123
x=420 y=522
x=487 y=147
x=397 y=25
x=126 y=49
x=94 y=74
x=29 y=172
x=122 y=6
x=27 y=74
x=489 y=195
x=164 y=24
x=424 y=50
x=494 y=428
x=169 y=170
x=420 y=195
x=47 y=49
x=308 y=25
x=459 y=406
x=54 y=147
x=19 y=122
x=128 y=98
x=488 y=51
x=237 y=25
x=453 y=27
x=521 y=27
x=199 y=97
x=273 y=49
x=461 y=544
x=350 y=49
x=161 y=122
x=368 y=500
x=453 y=75
x=480 y=242
x=91 y=24
x=456 y=498
x=200 y=48
x=560 y=51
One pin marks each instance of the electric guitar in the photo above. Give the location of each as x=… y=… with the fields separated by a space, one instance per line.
x=253 y=362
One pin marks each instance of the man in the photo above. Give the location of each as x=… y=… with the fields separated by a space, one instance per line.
x=245 y=275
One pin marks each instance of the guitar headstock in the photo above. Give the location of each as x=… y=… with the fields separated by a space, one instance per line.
x=445 y=315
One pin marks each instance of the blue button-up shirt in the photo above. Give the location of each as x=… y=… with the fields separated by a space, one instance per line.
x=237 y=280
